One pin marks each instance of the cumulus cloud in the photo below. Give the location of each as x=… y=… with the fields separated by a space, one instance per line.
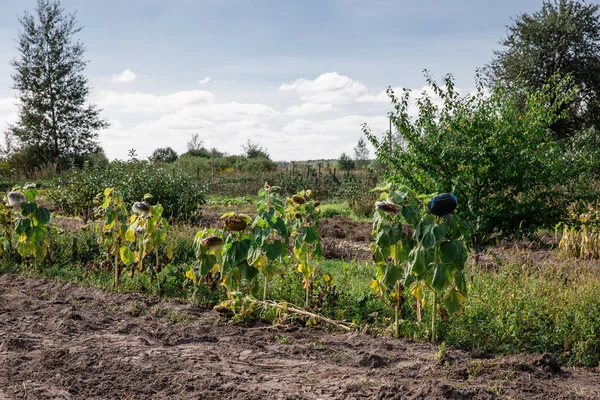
x=8 y=112
x=330 y=87
x=150 y=103
x=316 y=128
x=125 y=76
x=205 y=80
x=305 y=109
x=8 y=105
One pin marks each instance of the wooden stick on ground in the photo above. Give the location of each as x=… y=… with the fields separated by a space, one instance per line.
x=300 y=311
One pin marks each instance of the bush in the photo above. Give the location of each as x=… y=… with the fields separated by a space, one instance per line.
x=494 y=151
x=164 y=154
x=179 y=194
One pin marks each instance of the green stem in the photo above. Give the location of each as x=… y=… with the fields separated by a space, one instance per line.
x=156 y=271
x=308 y=282
x=117 y=272
x=397 y=307
x=265 y=289
x=433 y=315
x=141 y=266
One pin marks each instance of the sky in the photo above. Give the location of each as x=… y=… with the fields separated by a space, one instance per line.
x=298 y=77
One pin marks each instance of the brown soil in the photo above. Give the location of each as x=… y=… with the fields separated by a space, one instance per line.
x=61 y=341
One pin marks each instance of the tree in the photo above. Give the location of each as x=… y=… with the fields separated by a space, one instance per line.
x=361 y=153
x=164 y=154
x=494 y=151
x=345 y=163
x=564 y=36
x=55 y=123
x=195 y=143
x=254 y=150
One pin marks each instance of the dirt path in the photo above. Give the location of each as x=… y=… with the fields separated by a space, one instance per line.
x=60 y=341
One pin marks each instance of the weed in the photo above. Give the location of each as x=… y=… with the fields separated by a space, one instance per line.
x=282 y=339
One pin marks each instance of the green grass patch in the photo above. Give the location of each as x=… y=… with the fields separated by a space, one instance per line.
x=517 y=309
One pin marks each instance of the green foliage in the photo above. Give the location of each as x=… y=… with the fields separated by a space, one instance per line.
x=517 y=308
x=562 y=37
x=149 y=232
x=345 y=162
x=432 y=258
x=361 y=153
x=31 y=226
x=496 y=154
x=55 y=124
x=254 y=150
x=114 y=229
x=331 y=210
x=269 y=245
x=164 y=154
x=179 y=194
x=302 y=216
x=357 y=193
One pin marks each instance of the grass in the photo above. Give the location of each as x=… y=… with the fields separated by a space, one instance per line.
x=331 y=209
x=520 y=308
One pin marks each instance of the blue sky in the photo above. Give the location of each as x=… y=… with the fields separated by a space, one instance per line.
x=297 y=76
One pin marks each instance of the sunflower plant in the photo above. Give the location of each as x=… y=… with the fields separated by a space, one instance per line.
x=31 y=224
x=303 y=223
x=416 y=250
x=270 y=234
x=115 y=218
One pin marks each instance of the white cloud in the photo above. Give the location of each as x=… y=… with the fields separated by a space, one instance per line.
x=125 y=76
x=8 y=105
x=313 y=129
x=305 y=109
x=330 y=87
x=8 y=112
x=205 y=80
x=150 y=103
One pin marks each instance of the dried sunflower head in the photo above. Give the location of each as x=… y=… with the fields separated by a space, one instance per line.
x=15 y=199
x=213 y=243
x=267 y=186
x=388 y=207
x=298 y=199
x=235 y=223
x=317 y=203
x=142 y=208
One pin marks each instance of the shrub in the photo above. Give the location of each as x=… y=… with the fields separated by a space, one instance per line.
x=494 y=151
x=179 y=194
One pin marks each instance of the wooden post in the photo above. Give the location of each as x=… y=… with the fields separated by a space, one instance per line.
x=293 y=166
x=308 y=172
x=173 y=173
x=197 y=173
x=333 y=171
x=318 y=174
x=212 y=170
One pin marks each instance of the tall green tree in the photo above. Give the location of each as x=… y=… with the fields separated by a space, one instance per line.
x=361 y=153
x=562 y=37
x=56 y=123
x=255 y=150
x=345 y=162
